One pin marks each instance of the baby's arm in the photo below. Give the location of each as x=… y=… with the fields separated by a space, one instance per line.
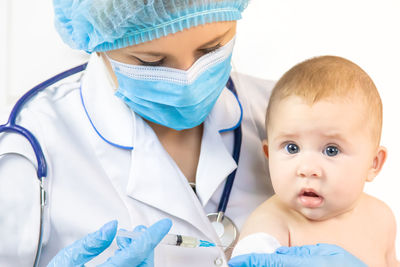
x=267 y=218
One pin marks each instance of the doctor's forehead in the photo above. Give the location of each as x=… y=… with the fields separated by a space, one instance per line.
x=195 y=37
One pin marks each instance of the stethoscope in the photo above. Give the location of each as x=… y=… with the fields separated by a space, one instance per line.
x=225 y=228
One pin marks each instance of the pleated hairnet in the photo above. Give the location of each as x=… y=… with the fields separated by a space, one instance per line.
x=101 y=25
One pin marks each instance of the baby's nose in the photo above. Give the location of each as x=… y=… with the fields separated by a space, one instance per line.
x=309 y=169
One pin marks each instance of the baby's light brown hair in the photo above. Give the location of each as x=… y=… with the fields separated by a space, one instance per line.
x=330 y=77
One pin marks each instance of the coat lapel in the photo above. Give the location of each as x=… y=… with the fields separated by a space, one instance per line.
x=111 y=123
x=216 y=162
x=156 y=180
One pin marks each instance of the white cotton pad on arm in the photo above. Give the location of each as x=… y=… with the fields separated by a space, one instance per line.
x=256 y=243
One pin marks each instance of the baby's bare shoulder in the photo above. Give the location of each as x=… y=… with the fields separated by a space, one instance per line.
x=384 y=223
x=379 y=210
x=268 y=218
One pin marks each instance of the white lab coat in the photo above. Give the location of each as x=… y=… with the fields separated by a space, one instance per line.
x=91 y=182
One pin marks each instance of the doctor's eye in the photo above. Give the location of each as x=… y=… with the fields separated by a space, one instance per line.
x=151 y=63
x=292 y=148
x=331 y=151
x=210 y=49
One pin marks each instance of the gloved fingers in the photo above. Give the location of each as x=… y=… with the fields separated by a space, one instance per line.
x=140 y=252
x=158 y=230
x=311 y=250
x=319 y=254
x=334 y=251
x=257 y=259
x=153 y=235
x=140 y=228
x=327 y=249
x=295 y=251
x=149 y=261
x=123 y=242
x=123 y=258
x=247 y=260
x=87 y=248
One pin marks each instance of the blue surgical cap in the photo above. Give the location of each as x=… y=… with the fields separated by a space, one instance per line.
x=101 y=25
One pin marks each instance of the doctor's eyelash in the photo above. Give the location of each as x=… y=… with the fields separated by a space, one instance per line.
x=210 y=49
x=151 y=63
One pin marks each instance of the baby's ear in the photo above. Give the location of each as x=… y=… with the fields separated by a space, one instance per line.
x=377 y=163
x=265 y=147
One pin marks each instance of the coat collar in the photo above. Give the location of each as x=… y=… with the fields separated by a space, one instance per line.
x=116 y=123
x=109 y=116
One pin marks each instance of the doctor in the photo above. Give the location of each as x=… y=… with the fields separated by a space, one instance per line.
x=148 y=121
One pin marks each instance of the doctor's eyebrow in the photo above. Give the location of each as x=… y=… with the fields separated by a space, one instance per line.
x=202 y=47
x=216 y=39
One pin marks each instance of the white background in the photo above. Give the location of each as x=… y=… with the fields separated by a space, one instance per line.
x=272 y=37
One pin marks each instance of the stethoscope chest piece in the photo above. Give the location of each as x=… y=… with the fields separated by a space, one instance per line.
x=225 y=228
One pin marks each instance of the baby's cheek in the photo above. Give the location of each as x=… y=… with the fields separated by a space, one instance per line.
x=285 y=189
x=346 y=192
x=280 y=178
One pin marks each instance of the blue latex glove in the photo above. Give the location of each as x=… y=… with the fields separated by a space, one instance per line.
x=307 y=256
x=133 y=253
x=86 y=248
x=139 y=252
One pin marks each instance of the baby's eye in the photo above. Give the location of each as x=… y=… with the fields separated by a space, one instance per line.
x=292 y=148
x=331 y=151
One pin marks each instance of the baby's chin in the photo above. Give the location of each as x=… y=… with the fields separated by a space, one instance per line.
x=318 y=214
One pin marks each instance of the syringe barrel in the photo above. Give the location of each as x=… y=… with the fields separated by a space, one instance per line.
x=189 y=242
x=169 y=239
x=180 y=240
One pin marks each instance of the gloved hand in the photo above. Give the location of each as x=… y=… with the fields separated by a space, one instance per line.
x=133 y=253
x=309 y=255
x=139 y=251
x=86 y=248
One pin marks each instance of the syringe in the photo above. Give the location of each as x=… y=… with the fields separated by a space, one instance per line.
x=172 y=239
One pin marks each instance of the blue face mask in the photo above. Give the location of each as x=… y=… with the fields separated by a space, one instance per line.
x=171 y=97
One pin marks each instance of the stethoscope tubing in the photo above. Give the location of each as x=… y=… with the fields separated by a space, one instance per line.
x=41 y=161
x=236 y=155
x=10 y=126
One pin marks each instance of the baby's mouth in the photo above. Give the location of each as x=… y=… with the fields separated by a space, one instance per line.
x=309 y=198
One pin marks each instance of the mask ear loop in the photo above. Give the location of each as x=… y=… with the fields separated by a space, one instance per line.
x=109 y=68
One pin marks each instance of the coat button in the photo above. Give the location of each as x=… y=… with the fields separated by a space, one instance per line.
x=218 y=261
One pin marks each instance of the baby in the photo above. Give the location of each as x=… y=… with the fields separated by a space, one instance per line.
x=323 y=123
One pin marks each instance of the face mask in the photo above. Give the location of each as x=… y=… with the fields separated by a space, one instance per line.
x=171 y=97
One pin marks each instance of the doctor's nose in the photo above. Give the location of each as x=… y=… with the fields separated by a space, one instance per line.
x=185 y=63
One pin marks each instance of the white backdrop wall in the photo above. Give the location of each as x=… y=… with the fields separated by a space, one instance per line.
x=272 y=37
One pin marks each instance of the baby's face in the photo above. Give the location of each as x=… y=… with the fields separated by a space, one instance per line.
x=320 y=155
